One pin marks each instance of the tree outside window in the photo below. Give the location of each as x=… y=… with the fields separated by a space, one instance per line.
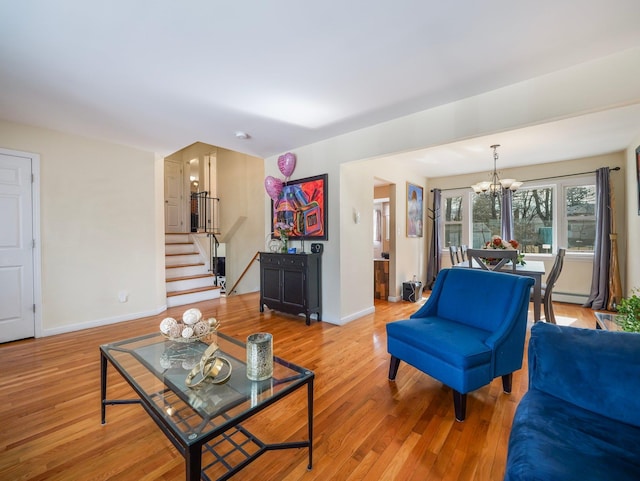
x=533 y=219
x=581 y=217
x=486 y=218
x=452 y=220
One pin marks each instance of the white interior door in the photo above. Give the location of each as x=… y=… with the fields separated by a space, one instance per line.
x=17 y=318
x=174 y=206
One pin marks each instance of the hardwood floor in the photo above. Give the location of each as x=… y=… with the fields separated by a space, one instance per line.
x=366 y=428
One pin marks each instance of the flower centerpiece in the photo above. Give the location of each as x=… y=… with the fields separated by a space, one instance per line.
x=497 y=242
x=284 y=231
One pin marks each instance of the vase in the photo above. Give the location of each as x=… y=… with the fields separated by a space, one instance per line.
x=285 y=246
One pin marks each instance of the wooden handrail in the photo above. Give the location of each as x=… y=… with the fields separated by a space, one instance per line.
x=230 y=291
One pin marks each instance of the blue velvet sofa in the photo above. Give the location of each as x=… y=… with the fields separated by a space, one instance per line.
x=470 y=331
x=580 y=419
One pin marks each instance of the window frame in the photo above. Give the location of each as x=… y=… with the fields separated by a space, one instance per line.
x=544 y=184
x=563 y=232
x=464 y=193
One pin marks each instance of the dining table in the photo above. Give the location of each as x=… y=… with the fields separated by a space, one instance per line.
x=533 y=269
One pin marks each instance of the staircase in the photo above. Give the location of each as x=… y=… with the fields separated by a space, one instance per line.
x=188 y=279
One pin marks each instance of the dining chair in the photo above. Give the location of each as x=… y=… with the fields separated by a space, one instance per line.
x=454 y=252
x=463 y=252
x=547 y=289
x=492 y=259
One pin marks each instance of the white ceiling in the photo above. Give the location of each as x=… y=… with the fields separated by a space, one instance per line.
x=162 y=74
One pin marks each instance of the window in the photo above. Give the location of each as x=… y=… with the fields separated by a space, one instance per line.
x=452 y=220
x=546 y=215
x=580 y=225
x=533 y=219
x=486 y=218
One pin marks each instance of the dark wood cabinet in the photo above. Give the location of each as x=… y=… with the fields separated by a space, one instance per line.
x=291 y=283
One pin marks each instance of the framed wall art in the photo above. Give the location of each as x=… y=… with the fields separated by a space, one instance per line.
x=415 y=201
x=301 y=208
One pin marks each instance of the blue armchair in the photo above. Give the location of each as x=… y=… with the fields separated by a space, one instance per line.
x=580 y=418
x=470 y=331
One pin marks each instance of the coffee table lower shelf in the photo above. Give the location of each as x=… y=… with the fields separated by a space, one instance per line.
x=233 y=449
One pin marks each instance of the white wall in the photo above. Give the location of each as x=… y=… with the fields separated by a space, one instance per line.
x=100 y=225
x=605 y=83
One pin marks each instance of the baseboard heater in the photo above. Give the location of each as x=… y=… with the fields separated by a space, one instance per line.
x=569 y=297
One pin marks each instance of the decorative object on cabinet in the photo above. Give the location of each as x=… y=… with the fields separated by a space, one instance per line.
x=317 y=248
x=414 y=210
x=291 y=283
x=302 y=204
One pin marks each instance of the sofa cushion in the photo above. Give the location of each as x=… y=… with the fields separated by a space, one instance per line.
x=552 y=440
x=457 y=344
x=590 y=368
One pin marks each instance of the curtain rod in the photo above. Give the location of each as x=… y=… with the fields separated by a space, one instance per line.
x=541 y=178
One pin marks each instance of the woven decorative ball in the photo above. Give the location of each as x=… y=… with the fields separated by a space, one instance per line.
x=201 y=328
x=187 y=332
x=191 y=316
x=167 y=325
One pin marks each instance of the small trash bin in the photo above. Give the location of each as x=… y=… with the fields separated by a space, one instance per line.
x=411 y=291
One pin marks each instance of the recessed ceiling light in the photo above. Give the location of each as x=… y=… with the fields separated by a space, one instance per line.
x=242 y=135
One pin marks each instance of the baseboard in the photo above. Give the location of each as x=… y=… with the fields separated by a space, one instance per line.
x=101 y=322
x=569 y=297
x=355 y=315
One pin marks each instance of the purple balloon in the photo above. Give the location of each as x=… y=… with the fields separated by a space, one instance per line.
x=273 y=187
x=287 y=163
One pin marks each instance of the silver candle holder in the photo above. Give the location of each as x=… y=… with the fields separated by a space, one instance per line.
x=259 y=356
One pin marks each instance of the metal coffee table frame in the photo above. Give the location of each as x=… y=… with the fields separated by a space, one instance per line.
x=208 y=438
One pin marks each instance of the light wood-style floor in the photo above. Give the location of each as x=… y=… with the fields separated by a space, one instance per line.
x=366 y=428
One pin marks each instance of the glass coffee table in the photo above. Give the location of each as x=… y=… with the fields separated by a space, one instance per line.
x=204 y=423
x=606 y=321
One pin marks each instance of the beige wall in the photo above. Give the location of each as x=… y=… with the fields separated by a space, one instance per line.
x=574 y=284
x=99 y=226
x=242 y=223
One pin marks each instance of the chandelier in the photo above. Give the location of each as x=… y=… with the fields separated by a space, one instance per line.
x=495 y=186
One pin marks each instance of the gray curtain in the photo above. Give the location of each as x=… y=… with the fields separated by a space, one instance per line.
x=506 y=215
x=433 y=263
x=599 y=294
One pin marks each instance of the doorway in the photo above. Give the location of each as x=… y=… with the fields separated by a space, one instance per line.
x=19 y=244
x=384 y=241
x=173 y=196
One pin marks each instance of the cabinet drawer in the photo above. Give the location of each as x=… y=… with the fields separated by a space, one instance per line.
x=272 y=260
x=284 y=260
x=293 y=260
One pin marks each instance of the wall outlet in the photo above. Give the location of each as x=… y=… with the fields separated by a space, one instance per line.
x=123 y=296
